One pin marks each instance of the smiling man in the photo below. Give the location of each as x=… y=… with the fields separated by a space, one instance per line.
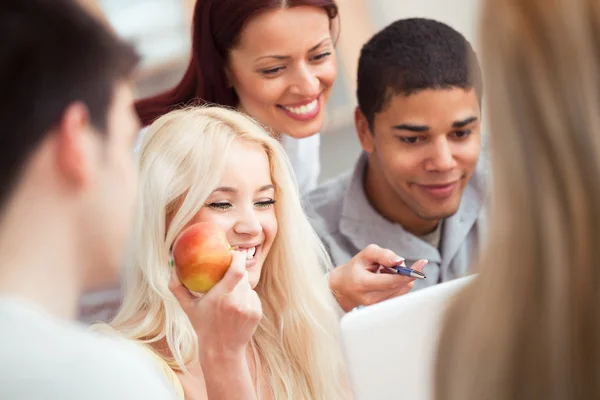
x=417 y=189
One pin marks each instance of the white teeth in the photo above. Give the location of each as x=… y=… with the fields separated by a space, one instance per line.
x=304 y=109
x=250 y=253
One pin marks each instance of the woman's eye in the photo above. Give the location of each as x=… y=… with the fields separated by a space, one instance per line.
x=265 y=204
x=220 y=205
x=322 y=56
x=272 y=71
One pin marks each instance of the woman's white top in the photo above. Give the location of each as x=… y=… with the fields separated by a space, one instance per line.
x=305 y=158
x=303 y=154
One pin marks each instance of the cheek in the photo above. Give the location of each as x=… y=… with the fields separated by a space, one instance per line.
x=255 y=91
x=224 y=220
x=400 y=165
x=328 y=73
x=269 y=225
x=124 y=172
x=469 y=153
x=260 y=102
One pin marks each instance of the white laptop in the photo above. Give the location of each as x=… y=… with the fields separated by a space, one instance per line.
x=390 y=347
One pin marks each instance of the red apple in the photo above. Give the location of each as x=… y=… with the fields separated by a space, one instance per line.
x=202 y=255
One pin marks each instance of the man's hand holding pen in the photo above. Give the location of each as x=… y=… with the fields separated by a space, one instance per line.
x=373 y=275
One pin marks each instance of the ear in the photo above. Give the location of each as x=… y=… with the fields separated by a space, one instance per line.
x=72 y=145
x=365 y=136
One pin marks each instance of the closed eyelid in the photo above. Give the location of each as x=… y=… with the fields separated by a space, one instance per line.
x=219 y=204
x=321 y=55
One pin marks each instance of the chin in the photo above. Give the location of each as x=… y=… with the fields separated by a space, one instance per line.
x=301 y=130
x=435 y=210
x=254 y=275
x=436 y=214
x=253 y=281
x=303 y=133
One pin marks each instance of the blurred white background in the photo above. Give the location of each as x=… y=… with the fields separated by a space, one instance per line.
x=160 y=29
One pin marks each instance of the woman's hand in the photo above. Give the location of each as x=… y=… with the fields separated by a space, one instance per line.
x=226 y=317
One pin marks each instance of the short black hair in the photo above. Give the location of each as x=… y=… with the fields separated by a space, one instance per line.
x=53 y=53
x=410 y=55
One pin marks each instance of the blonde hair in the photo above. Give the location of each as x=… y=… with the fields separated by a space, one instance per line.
x=181 y=161
x=529 y=326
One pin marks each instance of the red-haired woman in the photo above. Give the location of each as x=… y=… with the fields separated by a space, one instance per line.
x=272 y=59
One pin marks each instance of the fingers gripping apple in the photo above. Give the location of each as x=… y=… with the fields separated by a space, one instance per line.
x=202 y=255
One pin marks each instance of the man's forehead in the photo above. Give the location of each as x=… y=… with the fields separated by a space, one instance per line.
x=448 y=104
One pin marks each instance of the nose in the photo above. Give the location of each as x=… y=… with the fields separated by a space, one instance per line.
x=442 y=157
x=247 y=223
x=306 y=82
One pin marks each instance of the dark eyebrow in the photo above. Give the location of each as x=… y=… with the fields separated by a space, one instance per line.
x=464 y=122
x=321 y=43
x=411 y=128
x=275 y=57
x=425 y=128
x=287 y=57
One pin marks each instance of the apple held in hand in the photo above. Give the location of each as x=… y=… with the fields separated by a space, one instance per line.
x=202 y=255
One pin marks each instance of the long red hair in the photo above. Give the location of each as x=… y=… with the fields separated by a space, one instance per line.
x=216 y=29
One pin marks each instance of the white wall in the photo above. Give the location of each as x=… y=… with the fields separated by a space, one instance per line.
x=157 y=28
x=462 y=15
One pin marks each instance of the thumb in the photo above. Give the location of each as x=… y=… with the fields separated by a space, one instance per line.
x=419 y=265
x=373 y=256
x=235 y=273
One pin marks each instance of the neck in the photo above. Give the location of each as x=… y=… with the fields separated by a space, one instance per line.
x=38 y=258
x=390 y=206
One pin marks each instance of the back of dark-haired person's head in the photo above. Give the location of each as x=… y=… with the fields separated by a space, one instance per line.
x=53 y=54
x=411 y=55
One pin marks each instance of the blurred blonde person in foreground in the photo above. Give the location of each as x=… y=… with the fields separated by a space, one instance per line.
x=268 y=329
x=529 y=326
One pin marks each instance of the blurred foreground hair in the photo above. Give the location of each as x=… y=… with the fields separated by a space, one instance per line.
x=529 y=326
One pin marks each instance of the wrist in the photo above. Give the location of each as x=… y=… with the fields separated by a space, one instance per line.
x=334 y=287
x=219 y=357
x=226 y=375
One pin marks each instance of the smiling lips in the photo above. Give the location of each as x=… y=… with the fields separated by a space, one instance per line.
x=442 y=191
x=303 y=112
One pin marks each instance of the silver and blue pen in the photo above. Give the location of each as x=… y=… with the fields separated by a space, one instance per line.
x=405 y=271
